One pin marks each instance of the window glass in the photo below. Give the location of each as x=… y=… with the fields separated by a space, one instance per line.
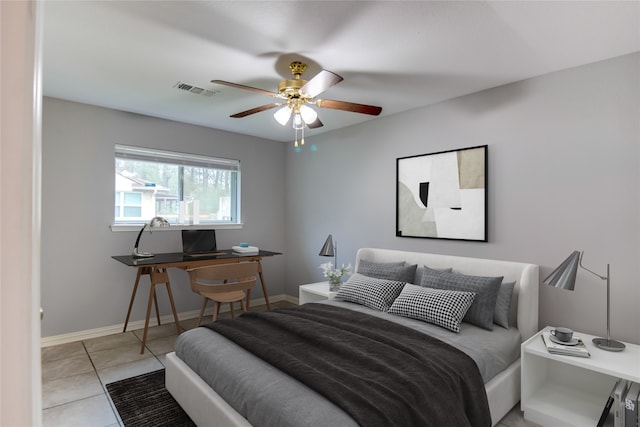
x=183 y=188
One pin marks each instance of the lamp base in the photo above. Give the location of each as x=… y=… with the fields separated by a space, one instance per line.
x=137 y=254
x=608 y=344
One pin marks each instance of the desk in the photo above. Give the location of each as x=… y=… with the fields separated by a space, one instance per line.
x=156 y=268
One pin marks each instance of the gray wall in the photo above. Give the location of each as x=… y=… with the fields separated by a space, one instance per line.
x=82 y=287
x=563 y=175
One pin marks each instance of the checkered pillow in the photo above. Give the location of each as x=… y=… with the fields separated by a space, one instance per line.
x=374 y=293
x=438 y=306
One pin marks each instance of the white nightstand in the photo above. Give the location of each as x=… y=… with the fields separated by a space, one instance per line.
x=314 y=292
x=571 y=391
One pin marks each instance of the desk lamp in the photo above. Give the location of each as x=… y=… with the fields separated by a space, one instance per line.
x=156 y=221
x=329 y=249
x=564 y=277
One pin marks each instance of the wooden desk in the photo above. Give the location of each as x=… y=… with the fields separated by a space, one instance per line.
x=156 y=268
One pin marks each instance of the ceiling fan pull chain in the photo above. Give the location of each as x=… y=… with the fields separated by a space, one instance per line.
x=295 y=144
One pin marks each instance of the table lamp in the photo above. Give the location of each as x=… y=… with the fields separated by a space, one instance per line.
x=156 y=221
x=564 y=277
x=329 y=249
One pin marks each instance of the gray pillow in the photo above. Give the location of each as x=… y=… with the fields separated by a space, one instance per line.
x=438 y=306
x=486 y=289
x=374 y=293
x=420 y=272
x=388 y=270
x=503 y=304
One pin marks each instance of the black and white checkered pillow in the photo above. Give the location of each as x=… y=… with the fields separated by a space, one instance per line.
x=438 y=306
x=374 y=293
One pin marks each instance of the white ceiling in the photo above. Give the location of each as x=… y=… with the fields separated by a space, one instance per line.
x=129 y=55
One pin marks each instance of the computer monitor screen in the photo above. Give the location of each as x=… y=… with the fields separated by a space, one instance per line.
x=198 y=241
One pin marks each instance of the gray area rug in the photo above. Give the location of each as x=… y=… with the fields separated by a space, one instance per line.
x=143 y=401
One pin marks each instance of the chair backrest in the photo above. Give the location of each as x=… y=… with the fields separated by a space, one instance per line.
x=237 y=276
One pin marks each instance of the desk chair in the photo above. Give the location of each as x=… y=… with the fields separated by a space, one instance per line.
x=237 y=281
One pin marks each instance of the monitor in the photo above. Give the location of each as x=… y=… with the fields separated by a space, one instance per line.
x=196 y=242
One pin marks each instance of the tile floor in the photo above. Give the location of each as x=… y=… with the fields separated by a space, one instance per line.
x=74 y=375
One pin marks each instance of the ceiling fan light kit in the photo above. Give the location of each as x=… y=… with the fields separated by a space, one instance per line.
x=296 y=94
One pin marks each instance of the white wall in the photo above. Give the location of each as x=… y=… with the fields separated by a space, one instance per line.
x=563 y=174
x=82 y=287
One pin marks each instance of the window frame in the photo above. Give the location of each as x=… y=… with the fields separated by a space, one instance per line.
x=179 y=159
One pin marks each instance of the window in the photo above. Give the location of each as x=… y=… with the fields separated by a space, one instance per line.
x=128 y=205
x=183 y=188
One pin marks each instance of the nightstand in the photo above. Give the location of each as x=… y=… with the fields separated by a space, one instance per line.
x=314 y=292
x=571 y=391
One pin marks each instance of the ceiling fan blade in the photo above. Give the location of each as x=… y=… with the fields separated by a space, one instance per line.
x=319 y=83
x=239 y=86
x=315 y=124
x=349 y=106
x=255 y=110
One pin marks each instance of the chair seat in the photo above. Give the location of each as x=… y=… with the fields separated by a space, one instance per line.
x=232 y=296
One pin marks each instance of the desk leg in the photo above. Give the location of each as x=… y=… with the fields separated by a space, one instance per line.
x=173 y=308
x=264 y=287
x=152 y=297
x=158 y=276
x=139 y=273
x=133 y=297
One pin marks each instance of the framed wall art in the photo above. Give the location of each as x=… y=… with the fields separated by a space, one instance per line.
x=443 y=195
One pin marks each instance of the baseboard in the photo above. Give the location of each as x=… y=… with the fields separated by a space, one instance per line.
x=139 y=324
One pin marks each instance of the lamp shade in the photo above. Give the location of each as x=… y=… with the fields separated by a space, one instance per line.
x=282 y=115
x=564 y=276
x=327 y=248
x=308 y=114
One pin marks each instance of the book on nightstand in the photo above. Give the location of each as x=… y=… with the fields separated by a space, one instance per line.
x=619 y=393
x=631 y=401
x=576 y=350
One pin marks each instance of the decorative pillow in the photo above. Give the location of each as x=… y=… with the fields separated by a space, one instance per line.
x=503 y=304
x=371 y=292
x=420 y=272
x=438 y=306
x=388 y=270
x=486 y=288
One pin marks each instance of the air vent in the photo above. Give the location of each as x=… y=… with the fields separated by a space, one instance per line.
x=195 y=89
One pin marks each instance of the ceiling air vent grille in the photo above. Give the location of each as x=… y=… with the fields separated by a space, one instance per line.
x=195 y=89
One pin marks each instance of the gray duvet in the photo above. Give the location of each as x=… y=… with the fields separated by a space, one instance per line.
x=267 y=397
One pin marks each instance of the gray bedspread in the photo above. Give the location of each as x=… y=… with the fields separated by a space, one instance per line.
x=269 y=398
x=380 y=373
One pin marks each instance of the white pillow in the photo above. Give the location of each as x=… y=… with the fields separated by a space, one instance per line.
x=441 y=307
x=374 y=293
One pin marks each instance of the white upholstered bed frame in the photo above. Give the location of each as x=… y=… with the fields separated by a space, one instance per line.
x=207 y=408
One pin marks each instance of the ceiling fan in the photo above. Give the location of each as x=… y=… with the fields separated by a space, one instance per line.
x=297 y=94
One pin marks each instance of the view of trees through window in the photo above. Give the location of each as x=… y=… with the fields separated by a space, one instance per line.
x=186 y=193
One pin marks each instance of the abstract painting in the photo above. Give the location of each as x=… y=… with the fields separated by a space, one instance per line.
x=443 y=195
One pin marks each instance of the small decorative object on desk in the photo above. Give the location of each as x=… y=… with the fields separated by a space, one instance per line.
x=574 y=347
x=335 y=276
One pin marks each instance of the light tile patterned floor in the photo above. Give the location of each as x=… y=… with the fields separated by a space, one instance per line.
x=74 y=375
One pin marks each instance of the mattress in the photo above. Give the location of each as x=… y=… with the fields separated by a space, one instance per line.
x=267 y=397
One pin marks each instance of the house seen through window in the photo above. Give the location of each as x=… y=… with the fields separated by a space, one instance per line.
x=183 y=188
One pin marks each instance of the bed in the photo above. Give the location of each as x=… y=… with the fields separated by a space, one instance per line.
x=241 y=389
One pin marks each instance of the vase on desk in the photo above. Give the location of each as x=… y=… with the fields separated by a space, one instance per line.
x=334 y=284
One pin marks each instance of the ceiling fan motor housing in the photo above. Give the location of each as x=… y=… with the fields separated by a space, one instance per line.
x=290 y=88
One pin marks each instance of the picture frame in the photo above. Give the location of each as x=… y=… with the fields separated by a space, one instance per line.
x=443 y=195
